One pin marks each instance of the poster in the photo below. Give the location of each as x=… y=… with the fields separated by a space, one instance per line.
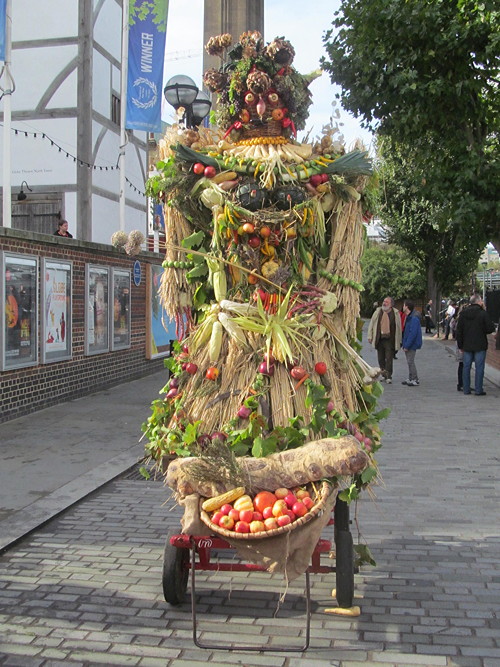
x=160 y=331
x=97 y=310
x=121 y=309
x=56 y=313
x=19 y=311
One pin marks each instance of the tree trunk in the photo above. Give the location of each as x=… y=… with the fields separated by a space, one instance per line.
x=434 y=293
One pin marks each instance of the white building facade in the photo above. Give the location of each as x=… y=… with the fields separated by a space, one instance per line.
x=65 y=136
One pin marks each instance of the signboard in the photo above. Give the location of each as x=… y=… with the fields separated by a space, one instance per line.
x=137 y=273
x=160 y=331
x=56 y=310
x=97 y=309
x=19 y=311
x=146 y=54
x=120 y=323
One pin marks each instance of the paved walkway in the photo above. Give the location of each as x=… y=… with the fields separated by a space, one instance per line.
x=85 y=589
x=53 y=458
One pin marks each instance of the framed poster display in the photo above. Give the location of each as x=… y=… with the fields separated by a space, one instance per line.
x=160 y=331
x=56 y=310
x=97 y=309
x=120 y=321
x=19 y=311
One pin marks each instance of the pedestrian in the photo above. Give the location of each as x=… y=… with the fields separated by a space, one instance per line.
x=497 y=339
x=412 y=341
x=450 y=311
x=474 y=325
x=62 y=229
x=429 y=324
x=384 y=333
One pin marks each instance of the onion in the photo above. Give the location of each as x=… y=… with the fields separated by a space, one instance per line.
x=265 y=369
x=172 y=393
x=219 y=435
x=174 y=382
x=244 y=412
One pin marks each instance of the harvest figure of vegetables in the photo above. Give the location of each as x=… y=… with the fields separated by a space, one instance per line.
x=262 y=277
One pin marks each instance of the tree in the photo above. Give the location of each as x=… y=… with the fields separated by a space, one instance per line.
x=447 y=251
x=390 y=271
x=426 y=74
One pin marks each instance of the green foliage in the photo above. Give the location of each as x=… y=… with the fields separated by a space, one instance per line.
x=425 y=74
x=389 y=269
x=140 y=9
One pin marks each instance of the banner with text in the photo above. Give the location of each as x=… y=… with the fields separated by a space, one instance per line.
x=3 y=19
x=146 y=53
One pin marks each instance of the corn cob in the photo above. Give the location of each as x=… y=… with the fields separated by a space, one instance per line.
x=214 y=503
x=224 y=176
x=220 y=284
x=233 y=329
x=215 y=342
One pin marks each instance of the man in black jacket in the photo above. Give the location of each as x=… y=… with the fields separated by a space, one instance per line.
x=474 y=324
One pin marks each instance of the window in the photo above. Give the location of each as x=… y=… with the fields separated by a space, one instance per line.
x=115 y=108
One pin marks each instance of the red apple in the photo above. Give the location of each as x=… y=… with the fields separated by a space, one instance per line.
x=281 y=492
x=257 y=516
x=299 y=509
x=298 y=372
x=290 y=500
x=308 y=502
x=242 y=527
x=209 y=172
x=270 y=523
x=248 y=228
x=315 y=180
x=198 y=168
x=254 y=241
x=191 y=368
x=279 y=508
x=226 y=522
x=217 y=516
x=257 y=526
x=283 y=520
x=225 y=509
x=291 y=515
x=246 y=515
x=301 y=494
x=234 y=515
x=267 y=513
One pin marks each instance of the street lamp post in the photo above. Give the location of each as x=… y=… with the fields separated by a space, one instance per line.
x=484 y=263
x=181 y=92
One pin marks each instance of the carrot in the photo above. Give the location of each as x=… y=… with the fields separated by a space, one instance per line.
x=301 y=381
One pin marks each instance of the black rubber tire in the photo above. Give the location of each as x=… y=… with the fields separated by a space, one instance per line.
x=175 y=573
x=344 y=568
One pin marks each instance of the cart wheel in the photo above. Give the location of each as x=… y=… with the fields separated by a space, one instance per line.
x=175 y=573
x=344 y=556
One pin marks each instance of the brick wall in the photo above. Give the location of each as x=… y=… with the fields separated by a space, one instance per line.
x=26 y=390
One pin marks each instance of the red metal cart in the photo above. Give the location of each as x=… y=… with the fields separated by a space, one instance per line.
x=180 y=558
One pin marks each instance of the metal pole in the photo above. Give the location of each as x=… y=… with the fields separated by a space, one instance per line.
x=123 y=109
x=484 y=284
x=7 y=117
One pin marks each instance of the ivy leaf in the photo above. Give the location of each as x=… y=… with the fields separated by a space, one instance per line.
x=363 y=555
x=194 y=240
x=382 y=414
x=368 y=474
x=144 y=472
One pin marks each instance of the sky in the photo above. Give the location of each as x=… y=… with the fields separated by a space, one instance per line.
x=302 y=25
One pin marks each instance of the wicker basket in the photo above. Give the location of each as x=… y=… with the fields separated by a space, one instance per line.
x=269 y=128
x=324 y=493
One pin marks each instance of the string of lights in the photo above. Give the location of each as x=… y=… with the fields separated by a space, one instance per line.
x=77 y=160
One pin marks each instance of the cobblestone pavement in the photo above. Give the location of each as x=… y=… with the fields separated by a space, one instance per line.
x=85 y=589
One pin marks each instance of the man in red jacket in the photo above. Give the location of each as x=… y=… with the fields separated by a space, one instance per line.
x=474 y=325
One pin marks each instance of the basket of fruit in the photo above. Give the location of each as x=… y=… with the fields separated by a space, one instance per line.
x=237 y=515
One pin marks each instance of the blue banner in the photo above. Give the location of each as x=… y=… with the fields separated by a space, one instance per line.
x=146 y=53
x=3 y=15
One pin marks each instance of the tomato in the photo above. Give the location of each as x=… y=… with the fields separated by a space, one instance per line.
x=252 y=279
x=198 y=168
x=264 y=499
x=265 y=232
x=320 y=368
x=212 y=373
